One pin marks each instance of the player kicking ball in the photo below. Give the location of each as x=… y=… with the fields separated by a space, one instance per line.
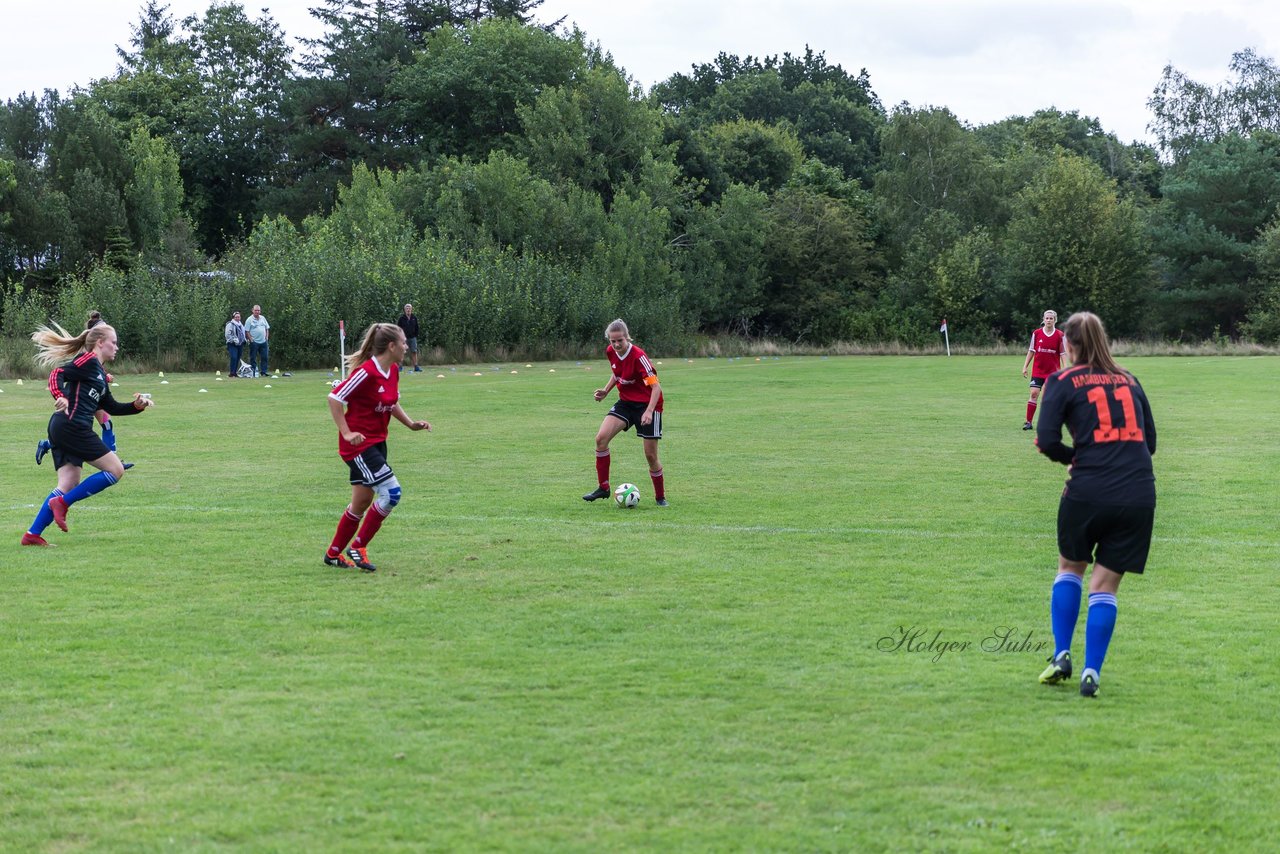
x=639 y=405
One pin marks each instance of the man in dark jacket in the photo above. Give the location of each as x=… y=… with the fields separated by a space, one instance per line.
x=408 y=322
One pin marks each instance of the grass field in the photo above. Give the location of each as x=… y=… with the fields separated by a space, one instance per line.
x=530 y=672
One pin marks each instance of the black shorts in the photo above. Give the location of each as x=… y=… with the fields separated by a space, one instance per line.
x=412 y=344
x=1038 y=382
x=371 y=468
x=1121 y=534
x=629 y=412
x=74 y=445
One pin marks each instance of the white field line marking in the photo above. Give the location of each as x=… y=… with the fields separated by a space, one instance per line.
x=707 y=527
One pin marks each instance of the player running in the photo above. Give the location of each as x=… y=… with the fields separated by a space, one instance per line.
x=370 y=395
x=1109 y=502
x=56 y=390
x=639 y=404
x=71 y=437
x=1046 y=349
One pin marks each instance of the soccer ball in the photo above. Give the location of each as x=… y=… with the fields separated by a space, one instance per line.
x=627 y=495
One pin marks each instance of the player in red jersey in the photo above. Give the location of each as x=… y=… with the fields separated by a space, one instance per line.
x=362 y=406
x=1047 y=350
x=1109 y=502
x=639 y=404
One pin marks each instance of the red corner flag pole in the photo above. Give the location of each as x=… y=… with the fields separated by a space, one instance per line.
x=342 y=349
x=945 y=336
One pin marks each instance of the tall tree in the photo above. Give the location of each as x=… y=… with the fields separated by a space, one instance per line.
x=1216 y=203
x=591 y=133
x=1187 y=113
x=233 y=148
x=836 y=115
x=1071 y=244
x=462 y=93
x=930 y=162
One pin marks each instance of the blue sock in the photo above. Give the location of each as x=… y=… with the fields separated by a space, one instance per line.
x=1064 y=609
x=109 y=435
x=1098 y=626
x=44 y=518
x=89 y=486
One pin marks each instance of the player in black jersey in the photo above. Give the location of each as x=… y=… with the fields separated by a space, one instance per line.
x=71 y=434
x=56 y=391
x=1109 y=502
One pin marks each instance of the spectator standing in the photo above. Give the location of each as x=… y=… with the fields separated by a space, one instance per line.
x=259 y=332
x=235 y=335
x=408 y=323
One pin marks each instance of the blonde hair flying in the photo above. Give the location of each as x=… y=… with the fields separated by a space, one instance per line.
x=57 y=345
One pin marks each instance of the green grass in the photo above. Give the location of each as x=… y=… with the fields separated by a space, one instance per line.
x=530 y=672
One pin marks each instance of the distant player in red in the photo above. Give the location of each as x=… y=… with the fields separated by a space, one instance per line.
x=639 y=404
x=1047 y=349
x=370 y=396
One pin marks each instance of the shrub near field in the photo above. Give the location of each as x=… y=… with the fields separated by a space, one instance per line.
x=530 y=672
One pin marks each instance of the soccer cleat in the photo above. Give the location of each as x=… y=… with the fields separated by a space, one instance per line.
x=42 y=448
x=598 y=492
x=1026 y=426
x=126 y=466
x=360 y=557
x=339 y=561
x=29 y=539
x=59 y=509
x=1089 y=684
x=661 y=502
x=1059 y=668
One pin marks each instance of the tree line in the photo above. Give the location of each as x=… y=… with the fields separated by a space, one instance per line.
x=506 y=175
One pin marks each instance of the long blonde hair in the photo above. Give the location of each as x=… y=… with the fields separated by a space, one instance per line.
x=377 y=338
x=57 y=345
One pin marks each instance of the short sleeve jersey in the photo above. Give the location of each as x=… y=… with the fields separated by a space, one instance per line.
x=1112 y=430
x=369 y=395
x=1049 y=350
x=634 y=374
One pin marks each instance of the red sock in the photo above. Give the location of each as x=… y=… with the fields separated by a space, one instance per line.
x=1031 y=410
x=659 y=490
x=372 y=522
x=346 y=530
x=602 y=468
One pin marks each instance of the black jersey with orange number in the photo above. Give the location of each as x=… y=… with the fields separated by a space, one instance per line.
x=1112 y=431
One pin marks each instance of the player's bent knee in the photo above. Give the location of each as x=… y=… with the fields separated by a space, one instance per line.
x=387 y=495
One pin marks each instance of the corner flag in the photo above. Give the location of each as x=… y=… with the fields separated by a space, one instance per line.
x=945 y=336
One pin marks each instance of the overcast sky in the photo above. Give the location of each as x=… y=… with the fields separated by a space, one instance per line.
x=983 y=59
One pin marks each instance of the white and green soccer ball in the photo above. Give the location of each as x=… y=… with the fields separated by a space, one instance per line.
x=627 y=495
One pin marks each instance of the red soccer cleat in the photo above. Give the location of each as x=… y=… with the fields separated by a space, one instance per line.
x=360 y=558
x=59 y=509
x=29 y=539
